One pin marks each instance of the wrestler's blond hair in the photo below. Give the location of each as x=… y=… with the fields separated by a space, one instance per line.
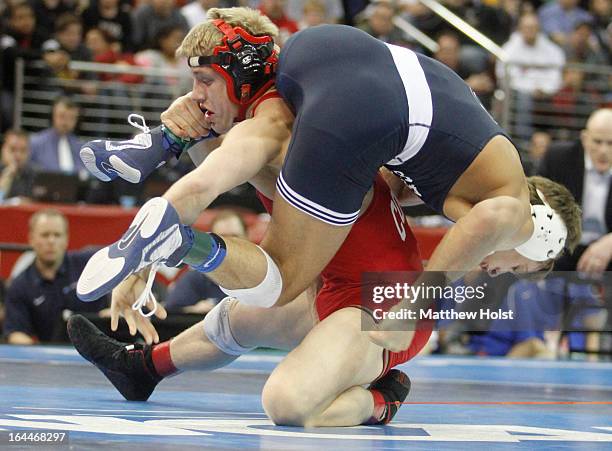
x=203 y=38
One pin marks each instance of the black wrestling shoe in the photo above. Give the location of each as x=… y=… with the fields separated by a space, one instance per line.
x=128 y=366
x=394 y=387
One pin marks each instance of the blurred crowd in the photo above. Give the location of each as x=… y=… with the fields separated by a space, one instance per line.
x=549 y=47
x=545 y=45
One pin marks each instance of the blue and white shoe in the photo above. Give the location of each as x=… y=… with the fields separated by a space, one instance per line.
x=155 y=236
x=134 y=159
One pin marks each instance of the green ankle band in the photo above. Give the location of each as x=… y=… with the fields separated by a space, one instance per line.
x=184 y=144
x=200 y=251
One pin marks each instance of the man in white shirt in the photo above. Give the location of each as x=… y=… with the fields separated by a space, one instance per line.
x=57 y=148
x=534 y=69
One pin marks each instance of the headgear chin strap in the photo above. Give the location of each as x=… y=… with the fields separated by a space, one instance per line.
x=247 y=62
x=549 y=234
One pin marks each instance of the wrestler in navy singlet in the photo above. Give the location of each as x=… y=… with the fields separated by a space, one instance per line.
x=361 y=104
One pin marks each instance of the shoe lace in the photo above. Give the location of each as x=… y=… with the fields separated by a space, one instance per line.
x=147 y=295
x=132 y=118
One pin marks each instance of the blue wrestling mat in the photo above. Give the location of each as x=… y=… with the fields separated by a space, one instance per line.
x=456 y=403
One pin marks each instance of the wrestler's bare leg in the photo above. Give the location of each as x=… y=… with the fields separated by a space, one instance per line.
x=300 y=245
x=319 y=382
x=277 y=327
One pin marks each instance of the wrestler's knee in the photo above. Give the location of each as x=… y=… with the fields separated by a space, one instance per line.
x=285 y=403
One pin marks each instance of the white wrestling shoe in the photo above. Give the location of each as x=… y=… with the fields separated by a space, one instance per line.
x=134 y=159
x=154 y=237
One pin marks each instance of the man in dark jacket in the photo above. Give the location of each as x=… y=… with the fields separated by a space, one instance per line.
x=585 y=168
x=37 y=297
x=16 y=174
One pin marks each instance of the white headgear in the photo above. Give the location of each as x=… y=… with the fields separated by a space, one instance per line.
x=549 y=234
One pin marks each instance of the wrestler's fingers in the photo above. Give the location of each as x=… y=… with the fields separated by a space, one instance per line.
x=191 y=118
x=161 y=312
x=152 y=330
x=147 y=330
x=195 y=113
x=198 y=127
x=154 y=334
x=130 y=319
x=183 y=118
x=114 y=311
x=175 y=128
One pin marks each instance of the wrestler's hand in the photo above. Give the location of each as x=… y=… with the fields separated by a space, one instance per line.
x=186 y=119
x=395 y=335
x=123 y=296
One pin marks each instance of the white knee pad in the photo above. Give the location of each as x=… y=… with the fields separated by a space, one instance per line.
x=266 y=293
x=217 y=329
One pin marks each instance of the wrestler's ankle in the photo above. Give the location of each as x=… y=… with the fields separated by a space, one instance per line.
x=379 y=410
x=207 y=252
x=161 y=360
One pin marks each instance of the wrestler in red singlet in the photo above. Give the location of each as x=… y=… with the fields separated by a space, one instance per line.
x=380 y=241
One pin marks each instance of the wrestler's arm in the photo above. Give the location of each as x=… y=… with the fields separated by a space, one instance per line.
x=494 y=224
x=247 y=148
x=198 y=152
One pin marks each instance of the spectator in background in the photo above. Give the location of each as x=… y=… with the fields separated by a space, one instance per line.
x=422 y=17
x=379 y=23
x=149 y=18
x=275 y=10
x=601 y=11
x=57 y=148
x=112 y=17
x=560 y=17
x=195 y=12
x=68 y=38
x=16 y=175
x=534 y=70
x=48 y=11
x=352 y=9
x=495 y=23
x=22 y=27
x=163 y=56
x=314 y=13
x=524 y=336
x=571 y=101
x=66 y=46
x=105 y=49
x=585 y=168
x=37 y=297
x=581 y=47
x=21 y=40
x=538 y=146
x=194 y=292
x=514 y=9
x=478 y=78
